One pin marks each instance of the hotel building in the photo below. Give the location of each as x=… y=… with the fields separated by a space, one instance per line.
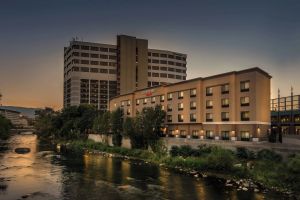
x=94 y=73
x=229 y=106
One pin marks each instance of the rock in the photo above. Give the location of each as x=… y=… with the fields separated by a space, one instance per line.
x=238 y=165
x=204 y=175
x=246 y=184
x=245 y=189
x=196 y=175
x=23 y=150
x=228 y=185
x=256 y=190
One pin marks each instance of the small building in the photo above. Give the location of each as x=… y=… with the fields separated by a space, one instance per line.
x=16 y=118
x=285 y=114
x=229 y=106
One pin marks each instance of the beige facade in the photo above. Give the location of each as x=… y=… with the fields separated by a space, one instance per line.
x=229 y=106
x=94 y=72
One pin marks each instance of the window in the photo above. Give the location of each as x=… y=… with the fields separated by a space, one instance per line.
x=170 y=63
x=170 y=96
x=162 y=98
x=169 y=118
x=193 y=93
x=164 y=68
x=163 y=75
x=104 y=63
x=195 y=134
x=180 y=95
x=162 y=107
x=152 y=99
x=94 y=48
x=193 y=117
x=169 y=107
x=104 y=71
x=128 y=111
x=245 y=116
x=180 y=118
x=209 y=91
x=225 y=89
x=112 y=71
x=103 y=56
x=178 y=77
x=209 y=104
x=128 y=103
x=225 y=116
x=245 y=86
x=94 y=70
x=103 y=49
x=155 y=61
x=225 y=135
x=245 y=135
x=155 y=54
x=180 y=106
x=209 y=134
x=163 y=62
x=145 y=100
x=182 y=133
x=178 y=70
x=85 y=55
x=209 y=117
x=85 y=47
x=170 y=56
x=122 y=103
x=155 y=74
x=94 y=62
x=137 y=102
x=171 y=76
x=170 y=69
x=155 y=68
x=85 y=69
x=245 y=101
x=193 y=105
x=163 y=55
x=225 y=103
x=85 y=62
x=94 y=55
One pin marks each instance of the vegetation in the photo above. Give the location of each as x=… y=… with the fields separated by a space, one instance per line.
x=71 y=123
x=5 y=126
x=76 y=122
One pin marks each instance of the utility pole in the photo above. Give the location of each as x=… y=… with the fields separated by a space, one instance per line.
x=0 y=99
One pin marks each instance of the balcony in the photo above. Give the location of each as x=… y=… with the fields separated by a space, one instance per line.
x=245 y=89
x=209 y=120
x=225 y=119
x=225 y=106
x=209 y=107
x=245 y=104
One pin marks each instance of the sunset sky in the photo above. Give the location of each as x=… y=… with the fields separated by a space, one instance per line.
x=218 y=36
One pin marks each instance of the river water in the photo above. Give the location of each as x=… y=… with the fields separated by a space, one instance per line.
x=45 y=174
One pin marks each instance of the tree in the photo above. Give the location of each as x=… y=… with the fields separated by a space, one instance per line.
x=5 y=126
x=102 y=123
x=116 y=121
x=131 y=130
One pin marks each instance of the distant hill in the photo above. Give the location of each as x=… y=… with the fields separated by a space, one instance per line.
x=28 y=112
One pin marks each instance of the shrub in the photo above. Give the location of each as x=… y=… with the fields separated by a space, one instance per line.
x=243 y=153
x=220 y=159
x=267 y=154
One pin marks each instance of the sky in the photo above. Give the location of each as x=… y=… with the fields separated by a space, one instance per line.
x=218 y=36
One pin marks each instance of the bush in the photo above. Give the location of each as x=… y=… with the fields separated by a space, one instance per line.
x=243 y=153
x=220 y=159
x=270 y=155
x=5 y=126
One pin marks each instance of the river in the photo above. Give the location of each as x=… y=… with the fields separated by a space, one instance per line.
x=45 y=174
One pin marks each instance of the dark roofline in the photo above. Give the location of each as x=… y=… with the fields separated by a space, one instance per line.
x=257 y=69
x=4 y=109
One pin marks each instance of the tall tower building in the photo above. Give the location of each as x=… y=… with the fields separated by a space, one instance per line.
x=94 y=72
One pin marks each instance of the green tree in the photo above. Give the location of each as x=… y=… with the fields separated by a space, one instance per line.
x=5 y=126
x=136 y=136
x=116 y=121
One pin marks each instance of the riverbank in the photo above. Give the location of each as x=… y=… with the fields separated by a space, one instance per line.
x=265 y=173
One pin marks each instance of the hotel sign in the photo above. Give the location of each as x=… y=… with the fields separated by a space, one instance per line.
x=148 y=93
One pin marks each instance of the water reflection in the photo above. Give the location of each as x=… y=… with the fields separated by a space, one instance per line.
x=42 y=174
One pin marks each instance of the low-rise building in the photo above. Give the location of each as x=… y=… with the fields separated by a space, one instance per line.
x=16 y=118
x=229 y=106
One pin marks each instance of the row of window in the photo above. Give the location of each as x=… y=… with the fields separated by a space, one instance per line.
x=93 y=48
x=93 y=62
x=164 y=75
x=244 y=101
x=163 y=55
x=166 y=62
x=209 y=134
x=93 y=55
x=170 y=69
x=244 y=87
x=245 y=116
x=94 y=70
